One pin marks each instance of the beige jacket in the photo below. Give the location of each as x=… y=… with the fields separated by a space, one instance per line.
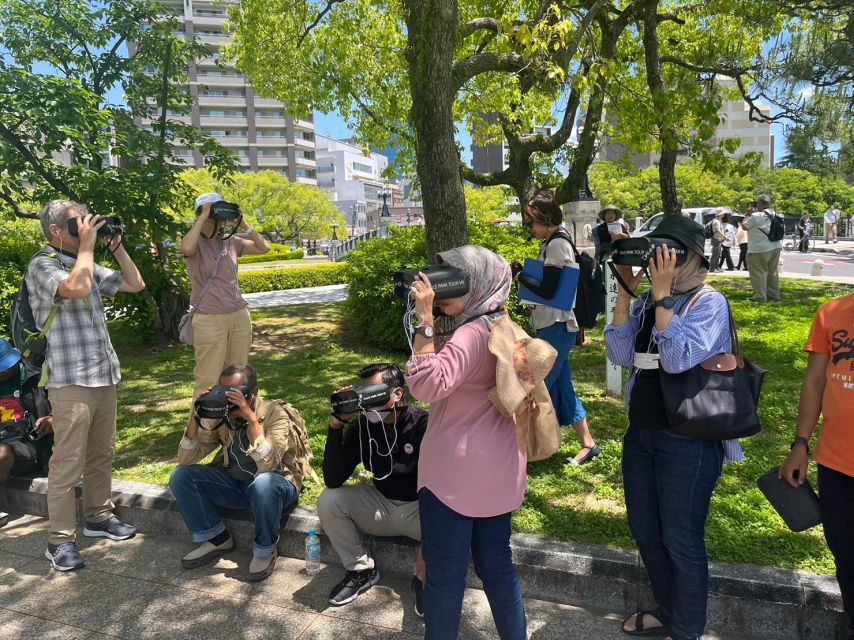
x=276 y=450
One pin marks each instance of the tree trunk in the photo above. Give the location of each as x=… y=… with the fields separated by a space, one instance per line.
x=431 y=32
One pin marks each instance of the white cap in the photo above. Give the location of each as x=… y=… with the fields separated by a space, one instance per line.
x=205 y=198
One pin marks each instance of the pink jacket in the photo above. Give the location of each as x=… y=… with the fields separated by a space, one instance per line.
x=469 y=456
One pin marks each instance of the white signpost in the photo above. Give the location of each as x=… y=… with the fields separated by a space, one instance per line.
x=613 y=373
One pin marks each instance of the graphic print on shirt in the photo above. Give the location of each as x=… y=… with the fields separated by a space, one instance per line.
x=842 y=357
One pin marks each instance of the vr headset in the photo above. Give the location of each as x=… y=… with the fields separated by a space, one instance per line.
x=447 y=281
x=223 y=211
x=636 y=252
x=365 y=396
x=113 y=227
x=212 y=410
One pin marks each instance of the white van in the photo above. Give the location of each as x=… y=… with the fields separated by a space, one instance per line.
x=700 y=215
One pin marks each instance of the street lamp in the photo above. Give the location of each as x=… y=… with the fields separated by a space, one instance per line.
x=333 y=243
x=385 y=214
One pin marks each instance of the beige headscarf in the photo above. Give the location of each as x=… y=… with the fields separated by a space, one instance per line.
x=691 y=275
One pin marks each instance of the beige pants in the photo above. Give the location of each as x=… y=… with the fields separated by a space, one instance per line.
x=84 y=439
x=220 y=340
x=764 y=277
x=829 y=232
x=347 y=510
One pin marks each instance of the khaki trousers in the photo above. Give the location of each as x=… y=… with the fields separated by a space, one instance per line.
x=830 y=232
x=84 y=439
x=764 y=277
x=347 y=510
x=220 y=340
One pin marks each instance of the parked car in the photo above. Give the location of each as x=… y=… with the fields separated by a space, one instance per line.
x=700 y=215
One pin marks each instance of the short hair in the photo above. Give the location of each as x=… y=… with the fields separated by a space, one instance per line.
x=391 y=374
x=764 y=198
x=245 y=371
x=549 y=211
x=56 y=212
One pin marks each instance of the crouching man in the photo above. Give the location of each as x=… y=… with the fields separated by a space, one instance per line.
x=260 y=465
x=386 y=440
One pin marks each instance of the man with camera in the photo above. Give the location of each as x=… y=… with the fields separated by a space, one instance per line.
x=82 y=370
x=383 y=434
x=26 y=433
x=261 y=464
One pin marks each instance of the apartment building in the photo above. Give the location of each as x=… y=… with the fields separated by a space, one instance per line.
x=258 y=130
x=493 y=157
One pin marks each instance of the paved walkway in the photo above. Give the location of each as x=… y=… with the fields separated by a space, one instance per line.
x=309 y=295
x=137 y=589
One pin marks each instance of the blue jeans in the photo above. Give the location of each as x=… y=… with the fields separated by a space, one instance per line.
x=199 y=489
x=669 y=482
x=559 y=381
x=447 y=539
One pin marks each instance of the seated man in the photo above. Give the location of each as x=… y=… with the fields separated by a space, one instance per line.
x=26 y=431
x=259 y=466
x=387 y=442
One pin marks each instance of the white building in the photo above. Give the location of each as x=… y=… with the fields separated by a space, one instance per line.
x=257 y=130
x=353 y=178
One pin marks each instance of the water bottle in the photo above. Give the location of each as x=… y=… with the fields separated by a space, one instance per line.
x=312 y=553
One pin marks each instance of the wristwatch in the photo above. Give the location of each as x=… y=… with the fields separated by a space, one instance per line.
x=425 y=330
x=667 y=302
x=801 y=440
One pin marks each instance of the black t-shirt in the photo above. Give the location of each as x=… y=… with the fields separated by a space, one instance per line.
x=343 y=453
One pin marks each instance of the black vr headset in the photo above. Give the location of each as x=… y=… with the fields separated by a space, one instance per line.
x=365 y=396
x=113 y=227
x=447 y=281
x=211 y=410
x=636 y=252
x=227 y=216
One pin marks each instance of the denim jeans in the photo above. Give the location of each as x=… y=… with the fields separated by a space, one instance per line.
x=199 y=489
x=447 y=539
x=669 y=482
x=836 y=498
x=559 y=381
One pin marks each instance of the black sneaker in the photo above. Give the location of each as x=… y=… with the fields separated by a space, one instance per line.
x=418 y=589
x=111 y=528
x=64 y=556
x=354 y=583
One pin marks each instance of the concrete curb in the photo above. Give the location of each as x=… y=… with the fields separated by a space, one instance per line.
x=745 y=599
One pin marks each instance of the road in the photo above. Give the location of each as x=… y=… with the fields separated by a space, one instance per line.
x=834 y=264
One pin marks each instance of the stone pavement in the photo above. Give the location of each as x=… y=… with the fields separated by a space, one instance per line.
x=137 y=589
x=309 y=295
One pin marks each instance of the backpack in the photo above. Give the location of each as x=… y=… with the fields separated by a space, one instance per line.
x=304 y=454
x=590 y=296
x=26 y=336
x=708 y=232
x=778 y=228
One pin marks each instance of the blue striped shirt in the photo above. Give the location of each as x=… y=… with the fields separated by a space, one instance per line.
x=687 y=341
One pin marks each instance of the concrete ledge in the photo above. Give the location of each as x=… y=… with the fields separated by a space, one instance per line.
x=745 y=599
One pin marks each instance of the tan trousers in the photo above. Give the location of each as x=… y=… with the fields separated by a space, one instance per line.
x=84 y=440
x=220 y=340
x=830 y=232
x=764 y=277
x=347 y=510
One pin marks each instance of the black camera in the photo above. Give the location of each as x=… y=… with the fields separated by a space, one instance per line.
x=215 y=406
x=365 y=396
x=447 y=281
x=223 y=210
x=113 y=227
x=636 y=252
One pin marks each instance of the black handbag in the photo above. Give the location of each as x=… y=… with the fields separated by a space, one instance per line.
x=716 y=400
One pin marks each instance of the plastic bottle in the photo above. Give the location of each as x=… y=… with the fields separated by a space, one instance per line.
x=312 y=553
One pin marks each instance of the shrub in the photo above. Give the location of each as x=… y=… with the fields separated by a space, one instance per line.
x=17 y=246
x=317 y=275
x=274 y=254
x=372 y=311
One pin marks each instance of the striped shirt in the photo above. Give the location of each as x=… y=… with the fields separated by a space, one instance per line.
x=686 y=342
x=79 y=351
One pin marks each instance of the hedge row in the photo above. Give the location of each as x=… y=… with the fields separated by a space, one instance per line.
x=283 y=254
x=318 y=275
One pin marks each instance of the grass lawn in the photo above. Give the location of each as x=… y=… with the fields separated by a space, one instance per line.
x=303 y=353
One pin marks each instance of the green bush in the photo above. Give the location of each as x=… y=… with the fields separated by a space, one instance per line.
x=317 y=275
x=372 y=311
x=18 y=243
x=274 y=254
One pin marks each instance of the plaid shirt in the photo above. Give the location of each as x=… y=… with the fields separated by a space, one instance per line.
x=79 y=351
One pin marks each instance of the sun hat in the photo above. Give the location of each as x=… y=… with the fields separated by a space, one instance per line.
x=683 y=230
x=611 y=207
x=205 y=198
x=9 y=355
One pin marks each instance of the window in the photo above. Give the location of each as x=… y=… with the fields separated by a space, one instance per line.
x=214 y=13
x=309 y=155
x=223 y=113
x=223 y=93
x=363 y=168
x=269 y=114
x=240 y=153
x=305 y=173
x=372 y=193
x=272 y=153
x=270 y=133
x=307 y=135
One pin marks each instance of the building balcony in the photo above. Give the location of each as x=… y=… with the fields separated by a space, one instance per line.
x=218 y=121
x=268 y=102
x=215 y=40
x=306 y=162
x=304 y=124
x=217 y=101
x=309 y=181
x=270 y=162
x=232 y=141
x=226 y=82
x=269 y=121
x=208 y=21
x=303 y=144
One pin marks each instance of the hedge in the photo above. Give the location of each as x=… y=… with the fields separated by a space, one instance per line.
x=317 y=275
x=276 y=254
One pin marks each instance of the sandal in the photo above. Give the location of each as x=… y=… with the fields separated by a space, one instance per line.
x=641 y=630
x=593 y=453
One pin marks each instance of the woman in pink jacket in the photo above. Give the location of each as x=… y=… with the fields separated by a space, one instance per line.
x=471 y=472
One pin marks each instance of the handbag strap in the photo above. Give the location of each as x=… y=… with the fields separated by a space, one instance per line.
x=735 y=348
x=210 y=279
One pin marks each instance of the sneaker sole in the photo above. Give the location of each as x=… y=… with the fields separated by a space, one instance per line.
x=362 y=589
x=49 y=556
x=97 y=533
x=213 y=555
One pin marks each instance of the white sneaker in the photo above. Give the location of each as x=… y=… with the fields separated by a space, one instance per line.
x=261 y=568
x=4 y=518
x=206 y=552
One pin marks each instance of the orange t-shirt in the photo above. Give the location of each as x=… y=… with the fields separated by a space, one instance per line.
x=832 y=335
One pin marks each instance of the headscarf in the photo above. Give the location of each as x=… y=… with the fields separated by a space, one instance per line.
x=691 y=275
x=489 y=286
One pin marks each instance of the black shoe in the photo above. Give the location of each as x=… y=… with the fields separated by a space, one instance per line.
x=354 y=583
x=111 y=528
x=418 y=589
x=593 y=453
x=64 y=556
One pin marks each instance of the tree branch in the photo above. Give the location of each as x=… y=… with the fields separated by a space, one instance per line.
x=401 y=133
x=316 y=21
x=467 y=68
x=16 y=208
x=492 y=179
x=478 y=24
x=37 y=165
x=730 y=72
